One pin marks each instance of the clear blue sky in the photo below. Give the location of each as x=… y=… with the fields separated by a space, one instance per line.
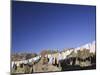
x=38 y=26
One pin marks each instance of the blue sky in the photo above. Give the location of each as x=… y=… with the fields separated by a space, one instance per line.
x=37 y=26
